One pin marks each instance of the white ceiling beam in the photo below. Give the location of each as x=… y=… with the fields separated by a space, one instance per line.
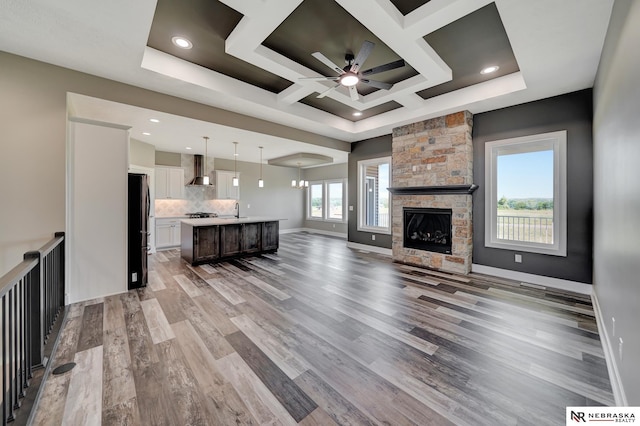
x=438 y=13
x=415 y=51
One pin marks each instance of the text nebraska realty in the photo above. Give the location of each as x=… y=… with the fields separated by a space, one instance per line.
x=612 y=417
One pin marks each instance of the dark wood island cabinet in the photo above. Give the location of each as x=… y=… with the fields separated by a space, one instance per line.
x=212 y=240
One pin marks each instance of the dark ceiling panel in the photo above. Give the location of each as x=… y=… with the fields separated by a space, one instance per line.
x=470 y=44
x=341 y=110
x=206 y=24
x=407 y=6
x=324 y=26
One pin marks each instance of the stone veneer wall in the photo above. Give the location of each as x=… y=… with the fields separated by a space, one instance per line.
x=435 y=152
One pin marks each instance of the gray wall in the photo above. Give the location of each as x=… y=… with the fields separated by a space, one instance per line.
x=617 y=198
x=364 y=150
x=141 y=153
x=334 y=171
x=571 y=112
x=33 y=107
x=276 y=199
x=172 y=159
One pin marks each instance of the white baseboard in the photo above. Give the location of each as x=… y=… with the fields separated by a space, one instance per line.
x=330 y=233
x=374 y=249
x=291 y=230
x=610 y=356
x=556 y=283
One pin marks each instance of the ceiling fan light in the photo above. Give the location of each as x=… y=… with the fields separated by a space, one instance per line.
x=349 y=80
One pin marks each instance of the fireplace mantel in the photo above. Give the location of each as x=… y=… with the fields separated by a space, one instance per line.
x=433 y=190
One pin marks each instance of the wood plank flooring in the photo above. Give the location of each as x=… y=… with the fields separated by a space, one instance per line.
x=319 y=334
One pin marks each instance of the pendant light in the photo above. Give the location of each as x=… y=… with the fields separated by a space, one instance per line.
x=235 y=181
x=260 y=181
x=205 y=176
x=299 y=184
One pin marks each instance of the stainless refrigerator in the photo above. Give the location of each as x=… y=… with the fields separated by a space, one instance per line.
x=138 y=225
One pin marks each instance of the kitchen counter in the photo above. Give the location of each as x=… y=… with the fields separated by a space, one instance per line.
x=211 y=221
x=216 y=239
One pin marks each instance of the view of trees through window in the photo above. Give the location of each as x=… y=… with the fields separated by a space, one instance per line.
x=316 y=200
x=333 y=193
x=525 y=188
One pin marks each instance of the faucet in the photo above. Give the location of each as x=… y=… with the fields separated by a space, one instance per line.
x=237 y=209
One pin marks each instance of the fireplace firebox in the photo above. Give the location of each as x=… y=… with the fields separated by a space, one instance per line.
x=428 y=229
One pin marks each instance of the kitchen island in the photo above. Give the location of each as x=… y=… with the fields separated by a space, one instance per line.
x=216 y=239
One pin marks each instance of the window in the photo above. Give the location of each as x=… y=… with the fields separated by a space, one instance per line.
x=373 y=197
x=315 y=201
x=326 y=200
x=526 y=194
x=335 y=200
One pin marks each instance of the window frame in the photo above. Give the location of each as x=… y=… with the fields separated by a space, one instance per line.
x=362 y=165
x=325 y=200
x=555 y=141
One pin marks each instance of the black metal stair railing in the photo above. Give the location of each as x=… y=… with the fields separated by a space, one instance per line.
x=32 y=297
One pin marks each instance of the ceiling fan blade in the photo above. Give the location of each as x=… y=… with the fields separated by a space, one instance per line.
x=319 y=78
x=363 y=54
x=326 y=92
x=319 y=56
x=353 y=92
x=386 y=67
x=378 y=84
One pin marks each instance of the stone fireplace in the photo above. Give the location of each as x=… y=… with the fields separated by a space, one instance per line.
x=432 y=165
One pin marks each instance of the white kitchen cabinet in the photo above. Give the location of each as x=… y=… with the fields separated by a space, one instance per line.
x=169 y=183
x=167 y=232
x=224 y=185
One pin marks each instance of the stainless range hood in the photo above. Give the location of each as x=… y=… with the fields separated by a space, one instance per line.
x=199 y=166
x=200 y=179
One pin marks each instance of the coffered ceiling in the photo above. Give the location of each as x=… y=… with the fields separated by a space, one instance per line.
x=251 y=56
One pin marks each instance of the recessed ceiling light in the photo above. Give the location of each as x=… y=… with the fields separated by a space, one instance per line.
x=181 y=42
x=154 y=120
x=357 y=114
x=188 y=147
x=489 y=70
x=146 y=133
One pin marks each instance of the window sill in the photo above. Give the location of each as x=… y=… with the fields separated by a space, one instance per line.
x=375 y=230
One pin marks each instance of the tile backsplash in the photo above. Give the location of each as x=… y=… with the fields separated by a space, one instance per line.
x=194 y=203
x=197 y=198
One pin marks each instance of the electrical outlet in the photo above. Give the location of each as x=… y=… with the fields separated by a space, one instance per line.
x=334 y=225
x=373 y=237
x=248 y=206
x=518 y=258
x=613 y=327
x=350 y=208
x=620 y=348
x=134 y=277
x=414 y=168
x=428 y=166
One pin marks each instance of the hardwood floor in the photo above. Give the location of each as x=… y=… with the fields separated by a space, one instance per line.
x=319 y=334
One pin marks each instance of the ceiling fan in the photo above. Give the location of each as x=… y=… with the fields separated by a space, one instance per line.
x=351 y=75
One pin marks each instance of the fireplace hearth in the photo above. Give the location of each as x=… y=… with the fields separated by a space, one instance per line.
x=428 y=229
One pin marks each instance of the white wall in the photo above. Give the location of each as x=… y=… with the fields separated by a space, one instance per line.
x=96 y=231
x=616 y=130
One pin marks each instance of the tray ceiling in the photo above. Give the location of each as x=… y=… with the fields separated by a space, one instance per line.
x=249 y=56
x=461 y=49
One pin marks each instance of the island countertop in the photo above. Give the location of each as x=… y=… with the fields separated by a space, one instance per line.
x=212 y=221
